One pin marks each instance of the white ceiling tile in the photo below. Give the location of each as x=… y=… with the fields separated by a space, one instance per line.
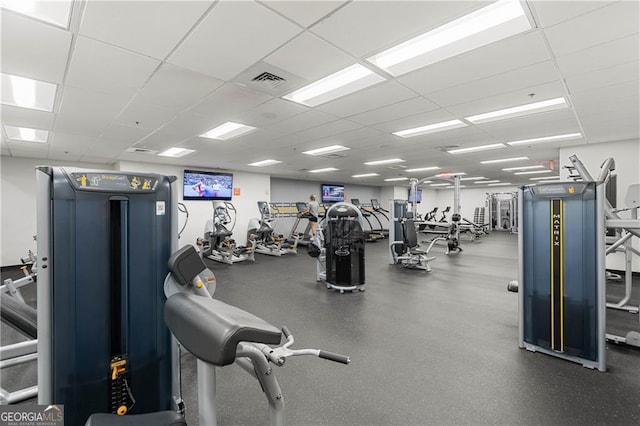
x=610 y=92
x=395 y=111
x=587 y=30
x=507 y=100
x=532 y=75
x=25 y=153
x=25 y=117
x=549 y=13
x=84 y=111
x=300 y=122
x=510 y=54
x=232 y=27
x=617 y=103
x=271 y=112
x=365 y=27
x=120 y=23
x=330 y=129
x=127 y=134
x=104 y=68
x=174 y=88
x=26 y=147
x=228 y=101
x=626 y=49
x=382 y=94
x=614 y=129
x=145 y=116
x=304 y=12
x=309 y=57
x=604 y=77
x=33 y=49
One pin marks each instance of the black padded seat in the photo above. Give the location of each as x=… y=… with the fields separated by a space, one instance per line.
x=161 y=418
x=417 y=251
x=211 y=329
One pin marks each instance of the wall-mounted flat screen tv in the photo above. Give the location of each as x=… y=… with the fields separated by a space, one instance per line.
x=418 y=199
x=332 y=193
x=201 y=185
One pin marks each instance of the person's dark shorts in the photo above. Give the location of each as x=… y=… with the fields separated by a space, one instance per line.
x=313 y=219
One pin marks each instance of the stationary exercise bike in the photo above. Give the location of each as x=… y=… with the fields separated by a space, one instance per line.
x=217 y=334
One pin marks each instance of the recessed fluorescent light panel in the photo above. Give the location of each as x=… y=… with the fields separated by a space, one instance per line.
x=55 y=12
x=440 y=184
x=326 y=169
x=499 y=184
x=365 y=175
x=265 y=163
x=504 y=160
x=326 y=150
x=534 y=172
x=545 y=178
x=488 y=181
x=510 y=169
x=546 y=139
x=422 y=169
x=431 y=128
x=389 y=161
x=446 y=175
x=495 y=22
x=473 y=178
x=227 y=130
x=27 y=93
x=519 y=111
x=477 y=148
x=396 y=179
x=26 y=134
x=346 y=81
x=176 y=152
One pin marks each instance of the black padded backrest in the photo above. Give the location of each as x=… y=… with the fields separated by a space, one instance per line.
x=410 y=234
x=185 y=264
x=211 y=329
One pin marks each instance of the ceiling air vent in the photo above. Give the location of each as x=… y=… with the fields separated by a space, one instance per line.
x=332 y=156
x=269 y=79
x=142 y=150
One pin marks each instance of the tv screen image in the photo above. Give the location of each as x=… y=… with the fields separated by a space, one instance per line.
x=332 y=193
x=201 y=185
x=418 y=199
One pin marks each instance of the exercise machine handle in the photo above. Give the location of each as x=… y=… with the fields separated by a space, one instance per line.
x=334 y=357
x=286 y=332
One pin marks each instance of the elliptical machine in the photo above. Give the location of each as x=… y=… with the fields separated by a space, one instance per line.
x=217 y=243
x=266 y=240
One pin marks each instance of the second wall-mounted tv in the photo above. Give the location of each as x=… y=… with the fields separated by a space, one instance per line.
x=201 y=185
x=419 y=197
x=332 y=193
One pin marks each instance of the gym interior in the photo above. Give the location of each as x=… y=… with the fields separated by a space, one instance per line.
x=439 y=198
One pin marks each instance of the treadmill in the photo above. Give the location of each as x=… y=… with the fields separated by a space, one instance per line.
x=378 y=210
x=305 y=239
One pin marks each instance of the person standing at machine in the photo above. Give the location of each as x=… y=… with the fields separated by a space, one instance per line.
x=312 y=211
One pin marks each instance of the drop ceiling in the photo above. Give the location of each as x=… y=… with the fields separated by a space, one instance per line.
x=151 y=75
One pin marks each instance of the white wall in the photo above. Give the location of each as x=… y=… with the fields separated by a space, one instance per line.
x=253 y=188
x=627 y=158
x=18 y=204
